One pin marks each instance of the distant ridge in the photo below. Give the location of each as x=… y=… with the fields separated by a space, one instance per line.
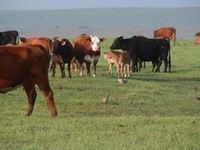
x=107 y=22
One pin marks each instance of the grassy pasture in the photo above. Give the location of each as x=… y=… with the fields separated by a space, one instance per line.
x=150 y=111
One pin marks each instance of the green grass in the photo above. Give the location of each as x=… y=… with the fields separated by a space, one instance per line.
x=151 y=111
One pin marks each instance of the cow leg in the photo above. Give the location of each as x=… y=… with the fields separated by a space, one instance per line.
x=48 y=94
x=69 y=64
x=94 y=68
x=134 y=64
x=118 y=70
x=62 y=69
x=88 y=68
x=31 y=94
x=166 y=64
x=124 y=70
x=158 y=66
x=154 y=65
x=129 y=70
x=81 y=69
x=110 y=68
x=53 y=68
x=144 y=64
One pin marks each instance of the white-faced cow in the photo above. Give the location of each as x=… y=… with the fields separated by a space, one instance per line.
x=8 y=37
x=87 y=49
x=26 y=66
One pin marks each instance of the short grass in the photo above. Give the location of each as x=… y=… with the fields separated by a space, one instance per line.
x=151 y=111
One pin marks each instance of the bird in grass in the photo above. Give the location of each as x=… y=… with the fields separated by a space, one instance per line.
x=105 y=99
x=121 y=80
x=197 y=98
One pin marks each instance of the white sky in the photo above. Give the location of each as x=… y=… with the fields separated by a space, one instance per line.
x=73 y=4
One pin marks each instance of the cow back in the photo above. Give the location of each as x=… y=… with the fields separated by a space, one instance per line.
x=19 y=64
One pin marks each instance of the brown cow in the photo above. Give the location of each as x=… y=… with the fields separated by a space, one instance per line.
x=166 y=32
x=46 y=43
x=87 y=49
x=26 y=66
x=197 y=38
x=43 y=41
x=120 y=59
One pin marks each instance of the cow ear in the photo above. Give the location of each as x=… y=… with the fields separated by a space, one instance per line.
x=63 y=43
x=102 y=39
x=121 y=37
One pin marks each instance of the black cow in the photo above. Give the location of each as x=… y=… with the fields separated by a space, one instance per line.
x=8 y=37
x=144 y=49
x=62 y=47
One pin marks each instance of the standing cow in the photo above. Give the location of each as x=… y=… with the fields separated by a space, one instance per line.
x=120 y=59
x=87 y=49
x=26 y=66
x=197 y=38
x=62 y=47
x=8 y=37
x=166 y=32
x=145 y=49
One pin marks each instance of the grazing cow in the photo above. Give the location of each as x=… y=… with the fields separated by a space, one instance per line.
x=64 y=48
x=120 y=59
x=26 y=66
x=87 y=49
x=8 y=37
x=166 y=32
x=153 y=50
x=197 y=38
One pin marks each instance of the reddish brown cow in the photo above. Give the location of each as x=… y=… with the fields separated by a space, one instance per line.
x=197 y=38
x=166 y=32
x=26 y=66
x=43 y=41
x=87 y=49
x=46 y=43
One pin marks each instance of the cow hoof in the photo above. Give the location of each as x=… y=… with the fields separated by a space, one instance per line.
x=94 y=75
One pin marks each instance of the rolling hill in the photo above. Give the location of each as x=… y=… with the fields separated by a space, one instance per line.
x=103 y=22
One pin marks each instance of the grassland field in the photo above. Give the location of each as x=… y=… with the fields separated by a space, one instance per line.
x=150 y=111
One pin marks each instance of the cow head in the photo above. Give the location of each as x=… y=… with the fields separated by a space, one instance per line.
x=56 y=44
x=96 y=42
x=117 y=43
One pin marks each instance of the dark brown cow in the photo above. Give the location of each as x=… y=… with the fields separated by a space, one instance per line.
x=87 y=49
x=166 y=32
x=197 y=38
x=8 y=37
x=26 y=66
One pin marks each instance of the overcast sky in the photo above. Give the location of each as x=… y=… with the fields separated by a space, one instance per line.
x=73 y=4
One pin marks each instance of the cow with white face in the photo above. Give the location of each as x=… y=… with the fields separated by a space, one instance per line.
x=87 y=49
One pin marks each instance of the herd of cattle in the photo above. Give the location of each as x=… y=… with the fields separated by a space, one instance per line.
x=27 y=63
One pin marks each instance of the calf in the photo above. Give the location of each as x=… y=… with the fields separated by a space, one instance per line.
x=120 y=59
x=26 y=66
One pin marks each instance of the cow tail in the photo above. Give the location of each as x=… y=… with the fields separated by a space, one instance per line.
x=169 y=60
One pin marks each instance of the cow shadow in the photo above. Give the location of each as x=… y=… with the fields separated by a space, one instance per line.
x=157 y=77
